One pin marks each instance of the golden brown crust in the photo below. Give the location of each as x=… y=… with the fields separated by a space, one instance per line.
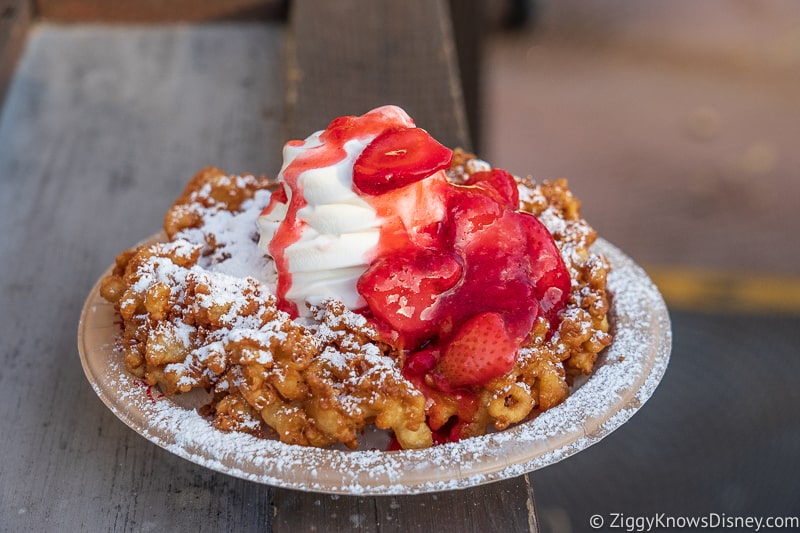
x=324 y=382
x=546 y=364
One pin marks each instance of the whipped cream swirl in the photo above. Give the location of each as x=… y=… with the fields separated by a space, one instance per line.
x=333 y=228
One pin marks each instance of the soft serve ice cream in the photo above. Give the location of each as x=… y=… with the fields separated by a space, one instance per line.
x=321 y=233
x=453 y=275
x=468 y=314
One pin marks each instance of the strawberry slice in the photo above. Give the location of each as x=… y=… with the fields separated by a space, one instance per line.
x=469 y=211
x=500 y=184
x=398 y=157
x=421 y=362
x=549 y=274
x=339 y=129
x=402 y=289
x=480 y=351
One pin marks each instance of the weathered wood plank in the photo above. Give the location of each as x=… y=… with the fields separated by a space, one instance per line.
x=504 y=506
x=470 y=29
x=103 y=125
x=15 y=21
x=347 y=57
x=83 y=11
x=101 y=130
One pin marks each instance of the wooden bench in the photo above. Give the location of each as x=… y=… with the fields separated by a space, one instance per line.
x=88 y=163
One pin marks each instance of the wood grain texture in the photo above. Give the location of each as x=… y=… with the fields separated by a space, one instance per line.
x=150 y=11
x=506 y=506
x=470 y=29
x=101 y=130
x=349 y=56
x=15 y=20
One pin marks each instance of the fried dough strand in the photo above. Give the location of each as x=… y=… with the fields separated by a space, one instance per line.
x=320 y=382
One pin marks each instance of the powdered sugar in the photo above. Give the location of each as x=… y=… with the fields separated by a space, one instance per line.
x=225 y=242
x=234 y=235
x=624 y=378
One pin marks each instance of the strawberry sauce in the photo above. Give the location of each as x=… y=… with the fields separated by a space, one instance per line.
x=328 y=153
x=459 y=274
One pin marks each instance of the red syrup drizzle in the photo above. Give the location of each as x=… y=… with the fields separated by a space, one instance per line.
x=330 y=152
x=148 y=390
x=457 y=283
x=459 y=274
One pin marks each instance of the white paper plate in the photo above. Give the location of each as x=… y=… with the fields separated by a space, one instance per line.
x=625 y=376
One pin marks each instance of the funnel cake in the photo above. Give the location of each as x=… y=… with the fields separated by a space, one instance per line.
x=470 y=303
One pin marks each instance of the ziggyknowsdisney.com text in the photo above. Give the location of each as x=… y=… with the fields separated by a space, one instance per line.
x=711 y=520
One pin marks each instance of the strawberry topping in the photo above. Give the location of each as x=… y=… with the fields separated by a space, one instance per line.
x=500 y=182
x=458 y=286
x=479 y=351
x=403 y=288
x=459 y=275
x=398 y=157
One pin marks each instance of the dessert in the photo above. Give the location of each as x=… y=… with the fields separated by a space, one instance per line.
x=382 y=279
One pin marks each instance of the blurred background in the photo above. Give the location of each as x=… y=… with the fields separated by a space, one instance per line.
x=676 y=123
x=677 y=117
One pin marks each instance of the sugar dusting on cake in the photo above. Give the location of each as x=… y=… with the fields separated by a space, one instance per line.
x=624 y=378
